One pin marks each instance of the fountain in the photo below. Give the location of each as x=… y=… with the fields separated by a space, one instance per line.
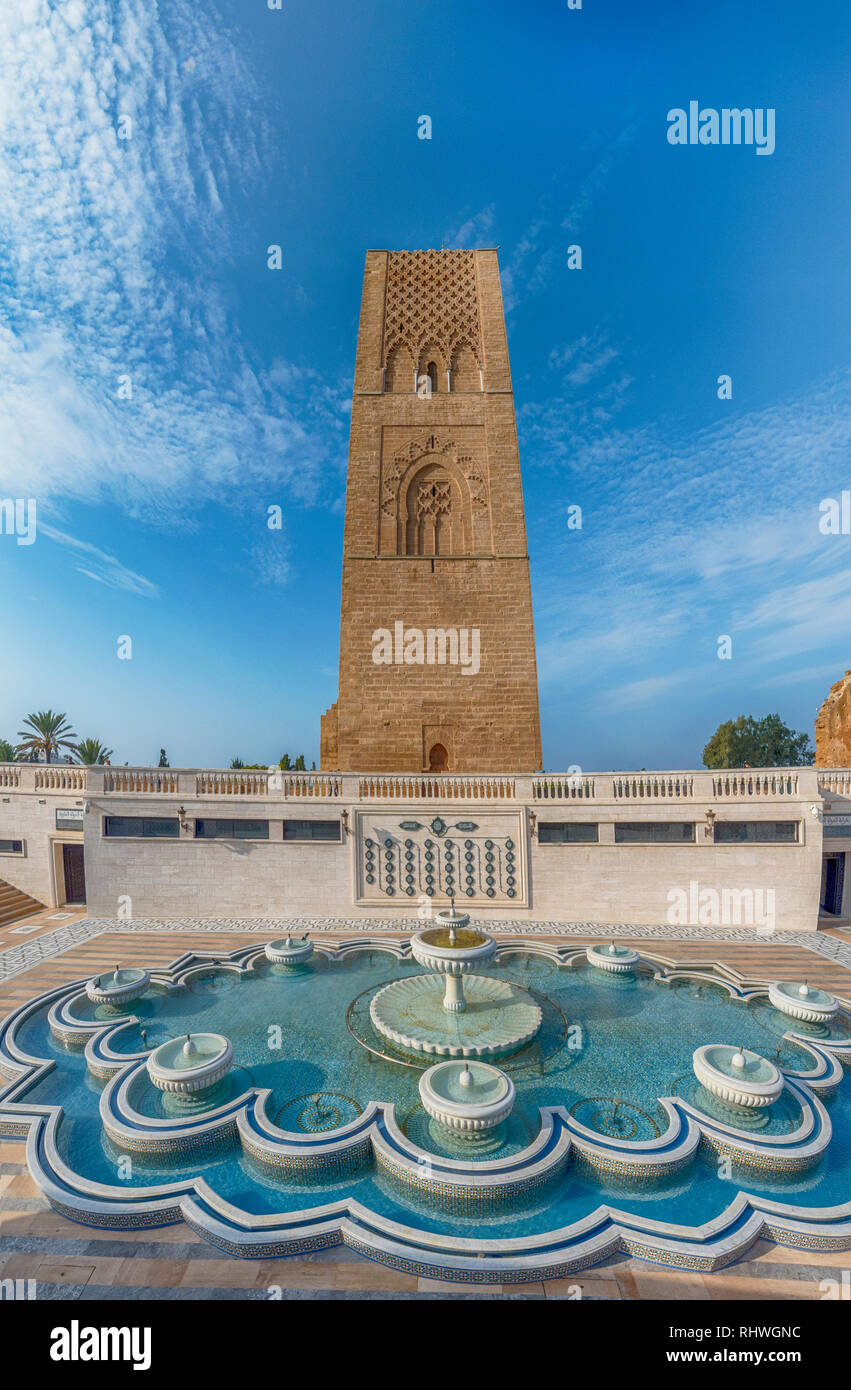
x=191 y=1065
x=737 y=1076
x=119 y=987
x=802 y=1001
x=616 y=959
x=287 y=951
x=467 y=1097
x=426 y=1013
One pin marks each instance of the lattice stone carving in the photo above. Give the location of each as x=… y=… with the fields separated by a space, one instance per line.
x=431 y=298
x=434 y=497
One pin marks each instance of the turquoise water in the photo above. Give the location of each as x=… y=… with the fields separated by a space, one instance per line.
x=609 y=1047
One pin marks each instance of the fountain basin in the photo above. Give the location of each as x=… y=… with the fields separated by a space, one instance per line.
x=617 y=959
x=288 y=950
x=118 y=986
x=434 y=949
x=752 y=1083
x=172 y=1067
x=499 y=1017
x=802 y=1001
x=467 y=1096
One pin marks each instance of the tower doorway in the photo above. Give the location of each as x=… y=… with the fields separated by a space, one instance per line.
x=438 y=758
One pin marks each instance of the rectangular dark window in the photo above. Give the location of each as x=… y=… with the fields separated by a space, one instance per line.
x=654 y=832
x=311 y=830
x=11 y=846
x=231 y=830
x=756 y=832
x=567 y=832
x=148 y=827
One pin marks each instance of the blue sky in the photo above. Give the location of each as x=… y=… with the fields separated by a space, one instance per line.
x=146 y=257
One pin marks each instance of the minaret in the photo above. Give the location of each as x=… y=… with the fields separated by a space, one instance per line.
x=437 y=647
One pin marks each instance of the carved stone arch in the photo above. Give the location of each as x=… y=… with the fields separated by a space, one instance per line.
x=434 y=508
x=464 y=372
x=399 y=372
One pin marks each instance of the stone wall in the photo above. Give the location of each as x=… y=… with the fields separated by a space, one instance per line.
x=833 y=726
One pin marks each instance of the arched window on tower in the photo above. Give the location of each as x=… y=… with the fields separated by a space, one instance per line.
x=432 y=376
x=433 y=514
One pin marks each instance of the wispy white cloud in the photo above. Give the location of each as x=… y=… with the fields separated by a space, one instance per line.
x=100 y=565
x=542 y=246
x=686 y=538
x=475 y=230
x=115 y=266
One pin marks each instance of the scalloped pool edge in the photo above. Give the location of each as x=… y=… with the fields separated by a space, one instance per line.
x=451 y=1184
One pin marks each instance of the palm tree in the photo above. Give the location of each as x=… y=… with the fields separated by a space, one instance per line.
x=92 y=752
x=46 y=734
x=7 y=751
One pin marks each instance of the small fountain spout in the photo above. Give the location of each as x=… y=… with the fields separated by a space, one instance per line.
x=189 y=1048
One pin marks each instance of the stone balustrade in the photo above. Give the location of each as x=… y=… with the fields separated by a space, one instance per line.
x=835 y=781
x=275 y=784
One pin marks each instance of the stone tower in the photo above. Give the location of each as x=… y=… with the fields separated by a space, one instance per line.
x=437 y=648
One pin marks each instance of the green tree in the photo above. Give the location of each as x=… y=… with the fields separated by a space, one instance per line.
x=300 y=764
x=163 y=762
x=7 y=751
x=92 y=752
x=44 y=734
x=237 y=763
x=749 y=742
x=285 y=763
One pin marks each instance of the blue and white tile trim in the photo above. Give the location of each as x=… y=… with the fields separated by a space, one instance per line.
x=447 y=1184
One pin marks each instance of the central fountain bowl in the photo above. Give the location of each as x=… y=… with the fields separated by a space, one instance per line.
x=288 y=950
x=467 y=1096
x=802 y=1001
x=469 y=1016
x=190 y=1063
x=617 y=959
x=736 y=1075
x=118 y=986
x=452 y=948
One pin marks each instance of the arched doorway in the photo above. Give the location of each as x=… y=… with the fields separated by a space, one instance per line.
x=438 y=758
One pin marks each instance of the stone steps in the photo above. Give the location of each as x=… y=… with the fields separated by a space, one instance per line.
x=14 y=904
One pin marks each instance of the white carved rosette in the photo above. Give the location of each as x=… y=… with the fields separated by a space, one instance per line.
x=802 y=1001
x=467 y=1096
x=736 y=1075
x=118 y=986
x=190 y=1064
x=616 y=959
x=289 y=950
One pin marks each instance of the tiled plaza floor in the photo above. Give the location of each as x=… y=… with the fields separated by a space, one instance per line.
x=69 y=1261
